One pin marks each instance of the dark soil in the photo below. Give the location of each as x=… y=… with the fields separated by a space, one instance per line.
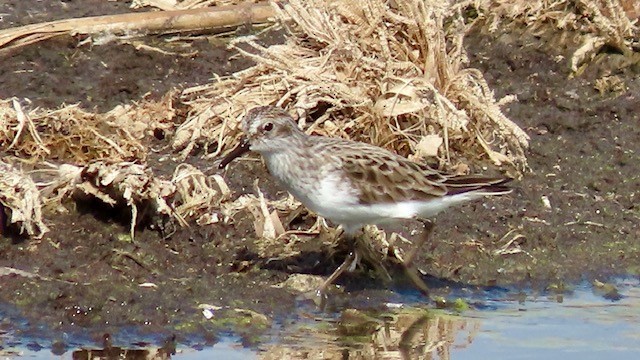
x=584 y=158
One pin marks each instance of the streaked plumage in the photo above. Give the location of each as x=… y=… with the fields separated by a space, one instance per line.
x=353 y=183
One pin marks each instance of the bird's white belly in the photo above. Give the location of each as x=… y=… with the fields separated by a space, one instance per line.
x=332 y=196
x=343 y=208
x=335 y=199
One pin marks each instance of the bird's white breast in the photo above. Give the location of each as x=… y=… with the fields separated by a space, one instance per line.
x=327 y=192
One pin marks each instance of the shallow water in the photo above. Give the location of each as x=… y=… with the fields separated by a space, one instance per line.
x=583 y=326
x=580 y=324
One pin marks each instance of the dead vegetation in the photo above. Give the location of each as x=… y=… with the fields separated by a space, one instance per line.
x=20 y=201
x=74 y=154
x=71 y=134
x=390 y=73
x=392 y=76
x=598 y=24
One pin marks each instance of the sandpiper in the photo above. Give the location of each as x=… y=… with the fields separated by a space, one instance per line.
x=353 y=183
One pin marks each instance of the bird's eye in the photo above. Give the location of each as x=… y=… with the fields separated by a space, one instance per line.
x=268 y=126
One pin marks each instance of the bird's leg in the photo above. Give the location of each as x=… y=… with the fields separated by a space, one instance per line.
x=348 y=265
x=409 y=269
x=414 y=276
x=426 y=234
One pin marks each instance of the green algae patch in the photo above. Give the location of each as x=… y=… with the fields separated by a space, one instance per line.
x=606 y=290
x=560 y=288
x=355 y=323
x=246 y=322
x=457 y=305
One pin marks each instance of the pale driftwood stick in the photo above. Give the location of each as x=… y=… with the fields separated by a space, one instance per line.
x=149 y=22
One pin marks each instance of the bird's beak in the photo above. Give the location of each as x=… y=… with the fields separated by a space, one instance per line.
x=242 y=148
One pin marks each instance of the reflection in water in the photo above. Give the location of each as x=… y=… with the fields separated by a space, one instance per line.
x=403 y=334
x=583 y=324
x=116 y=353
x=110 y=352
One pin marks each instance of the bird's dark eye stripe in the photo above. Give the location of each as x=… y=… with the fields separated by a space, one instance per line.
x=268 y=126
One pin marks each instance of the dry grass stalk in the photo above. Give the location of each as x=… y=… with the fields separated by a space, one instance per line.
x=20 y=200
x=196 y=198
x=389 y=75
x=22 y=121
x=58 y=183
x=184 y=4
x=266 y=222
x=396 y=77
x=109 y=26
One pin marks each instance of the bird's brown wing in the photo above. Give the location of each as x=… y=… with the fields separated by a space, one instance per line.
x=383 y=177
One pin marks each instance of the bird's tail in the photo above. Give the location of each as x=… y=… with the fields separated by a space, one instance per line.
x=478 y=185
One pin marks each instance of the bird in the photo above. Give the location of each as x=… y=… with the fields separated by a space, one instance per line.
x=353 y=184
